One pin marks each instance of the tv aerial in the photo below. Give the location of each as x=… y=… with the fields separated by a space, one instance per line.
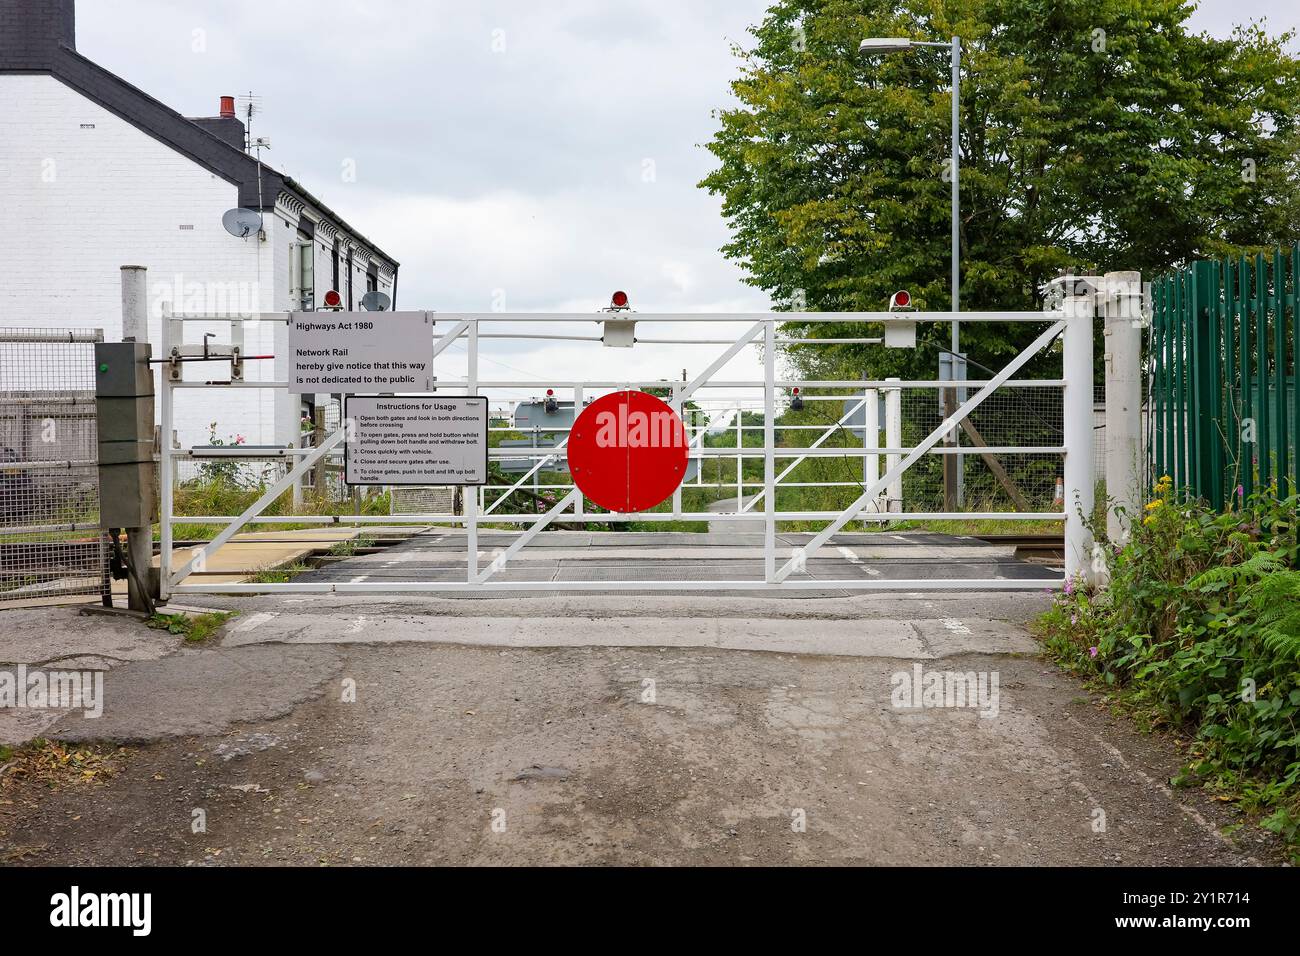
x=241 y=223
x=376 y=301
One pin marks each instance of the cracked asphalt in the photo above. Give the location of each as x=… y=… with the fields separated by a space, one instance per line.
x=651 y=729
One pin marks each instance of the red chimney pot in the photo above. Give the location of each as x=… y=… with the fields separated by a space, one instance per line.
x=227 y=107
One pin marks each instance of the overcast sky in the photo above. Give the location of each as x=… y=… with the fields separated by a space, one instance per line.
x=535 y=155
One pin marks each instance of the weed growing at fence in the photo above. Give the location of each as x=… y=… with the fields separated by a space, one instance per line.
x=280 y=575
x=348 y=548
x=194 y=629
x=1199 y=631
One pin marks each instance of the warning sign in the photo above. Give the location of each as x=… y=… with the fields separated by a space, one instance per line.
x=360 y=352
x=628 y=451
x=416 y=441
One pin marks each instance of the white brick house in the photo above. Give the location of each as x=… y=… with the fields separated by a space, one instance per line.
x=95 y=174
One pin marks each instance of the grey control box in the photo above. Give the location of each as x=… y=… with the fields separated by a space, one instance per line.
x=124 y=410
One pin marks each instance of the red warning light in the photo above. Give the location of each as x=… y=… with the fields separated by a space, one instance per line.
x=902 y=299
x=619 y=300
x=333 y=300
x=550 y=392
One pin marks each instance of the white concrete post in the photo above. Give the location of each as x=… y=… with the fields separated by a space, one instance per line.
x=1079 y=478
x=894 y=439
x=1123 y=311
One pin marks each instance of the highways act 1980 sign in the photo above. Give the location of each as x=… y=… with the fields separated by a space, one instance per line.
x=341 y=352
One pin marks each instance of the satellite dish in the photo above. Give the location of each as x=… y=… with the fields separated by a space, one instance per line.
x=376 y=301
x=241 y=223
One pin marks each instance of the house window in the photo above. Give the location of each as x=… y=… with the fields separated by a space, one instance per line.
x=335 y=284
x=351 y=302
x=372 y=282
x=302 y=266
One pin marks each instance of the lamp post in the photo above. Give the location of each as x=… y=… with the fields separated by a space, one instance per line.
x=954 y=472
x=876 y=45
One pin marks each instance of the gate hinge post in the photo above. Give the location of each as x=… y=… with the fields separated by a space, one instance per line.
x=1080 y=495
x=1123 y=373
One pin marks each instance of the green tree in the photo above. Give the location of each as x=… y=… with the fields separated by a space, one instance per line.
x=1095 y=134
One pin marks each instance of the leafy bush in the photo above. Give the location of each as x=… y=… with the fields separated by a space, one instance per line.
x=1200 y=629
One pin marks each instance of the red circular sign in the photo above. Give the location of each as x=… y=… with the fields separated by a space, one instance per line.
x=627 y=451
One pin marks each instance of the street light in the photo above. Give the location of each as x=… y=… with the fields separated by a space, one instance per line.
x=884 y=44
x=874 y=45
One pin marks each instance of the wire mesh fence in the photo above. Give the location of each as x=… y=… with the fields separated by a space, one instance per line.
x=50 y=541
x=994 y=475
x=1011 y=417
x=430 y=500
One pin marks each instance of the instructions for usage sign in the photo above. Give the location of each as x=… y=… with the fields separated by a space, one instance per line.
x=416 y=441
x=360 y=352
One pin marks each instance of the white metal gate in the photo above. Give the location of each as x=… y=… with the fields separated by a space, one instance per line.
x=781 y=568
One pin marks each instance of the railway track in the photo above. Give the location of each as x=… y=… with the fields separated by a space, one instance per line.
x=1030 y=547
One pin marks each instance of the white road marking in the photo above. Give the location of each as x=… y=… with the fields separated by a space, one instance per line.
x=851 y=556
x=356 y=626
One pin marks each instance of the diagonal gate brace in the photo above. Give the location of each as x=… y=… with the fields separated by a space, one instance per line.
x=799 y=559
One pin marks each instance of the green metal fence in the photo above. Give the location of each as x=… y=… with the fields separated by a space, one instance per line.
x=1225 y=411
